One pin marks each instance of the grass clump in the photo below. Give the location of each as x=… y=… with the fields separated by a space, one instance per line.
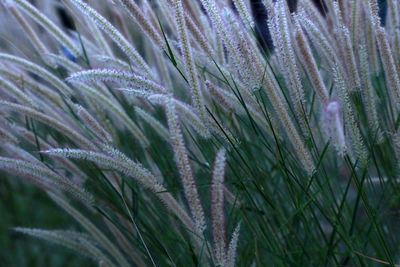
x=172 y=138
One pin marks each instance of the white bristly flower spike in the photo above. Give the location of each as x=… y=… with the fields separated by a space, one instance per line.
x=231 y=254
x=282 y=110
x=285 y=48
x=189 y=63
x=358 y=150
x=117 y=76
x=223 y=31
x=198 y=35
x=115 y=108
x=369 y=95
x=388 y=62
x=334 y=126
x=347 y=49
x=50 y=121
x=284 y=45
x=320 y=41
x=310 y=64
x=38 y=70
x=114 y=159
x=41 y=175
x=139 y=17
x=114 y=34
x=217 y=208
x=244 y=12
x=185 y=112
x=185 y=170
x=93 y=124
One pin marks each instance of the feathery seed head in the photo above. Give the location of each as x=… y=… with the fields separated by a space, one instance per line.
x=334 y=126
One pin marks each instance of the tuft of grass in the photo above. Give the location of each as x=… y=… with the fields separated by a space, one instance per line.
x=168 y=136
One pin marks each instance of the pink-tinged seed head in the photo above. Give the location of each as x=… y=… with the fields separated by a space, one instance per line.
x=332 y=107
x=334 y=126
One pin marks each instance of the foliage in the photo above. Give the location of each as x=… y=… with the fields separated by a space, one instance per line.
x=170 y=137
